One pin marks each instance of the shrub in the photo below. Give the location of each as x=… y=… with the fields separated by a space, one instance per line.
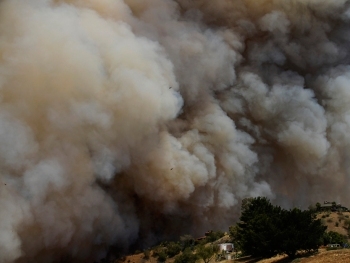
x=207 y=252
x=162 y=256
x=159 y=250
x=172 y=249
x=186 y=257
x=333 y=238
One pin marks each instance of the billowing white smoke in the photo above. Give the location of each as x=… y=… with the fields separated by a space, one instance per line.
x=125 y=122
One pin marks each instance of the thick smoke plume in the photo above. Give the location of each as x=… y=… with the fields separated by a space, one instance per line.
x=126 y=122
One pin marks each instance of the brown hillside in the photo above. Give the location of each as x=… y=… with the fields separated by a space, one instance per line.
x=336 y=221
x=333 y=256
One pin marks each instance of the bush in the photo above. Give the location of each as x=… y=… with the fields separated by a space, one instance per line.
x=162 y=256
x=333 y=238
x=186 y=257
x=172 y=249
x=159 y=253
x=207 y=252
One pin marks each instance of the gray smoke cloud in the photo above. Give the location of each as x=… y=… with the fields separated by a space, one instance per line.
x=126 y=122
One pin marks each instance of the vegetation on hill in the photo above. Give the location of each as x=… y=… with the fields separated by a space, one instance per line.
x=338 y=222
x=264 y=230
x=332 y=237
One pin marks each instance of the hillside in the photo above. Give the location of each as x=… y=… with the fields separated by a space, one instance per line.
x=336 y=221
x=324 y=256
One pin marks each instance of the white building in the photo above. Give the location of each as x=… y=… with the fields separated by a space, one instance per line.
x=226 y=247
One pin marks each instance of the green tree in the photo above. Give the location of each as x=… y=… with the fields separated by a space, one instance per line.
x=300 y=231
x=258 y=231
x=245 y=203
x=332 y=237
x=233 y=232
x=207 y=252
x=266 y=230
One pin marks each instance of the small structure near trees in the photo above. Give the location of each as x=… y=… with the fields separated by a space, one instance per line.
x=331 y=206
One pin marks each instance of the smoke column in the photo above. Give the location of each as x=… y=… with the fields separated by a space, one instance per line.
x=126 y=122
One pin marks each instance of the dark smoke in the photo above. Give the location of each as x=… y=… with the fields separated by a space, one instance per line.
x=126 y=122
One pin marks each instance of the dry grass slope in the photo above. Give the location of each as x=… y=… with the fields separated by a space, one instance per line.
x=336 y=222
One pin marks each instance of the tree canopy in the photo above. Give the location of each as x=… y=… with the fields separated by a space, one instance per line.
x=266 y=230
x=207 y=252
